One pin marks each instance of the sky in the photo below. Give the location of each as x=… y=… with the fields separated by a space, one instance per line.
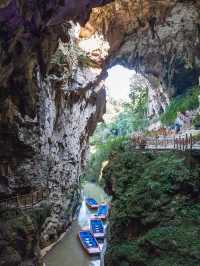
x=117 y=82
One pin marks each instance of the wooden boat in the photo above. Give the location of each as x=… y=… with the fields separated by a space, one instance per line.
x=91 y=203
x=96 y=227
x=89 y=242
x=103 y=211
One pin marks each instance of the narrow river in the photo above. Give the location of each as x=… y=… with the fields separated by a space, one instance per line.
x=68 y=252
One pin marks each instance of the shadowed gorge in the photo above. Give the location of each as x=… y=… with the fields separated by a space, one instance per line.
x=54 y=57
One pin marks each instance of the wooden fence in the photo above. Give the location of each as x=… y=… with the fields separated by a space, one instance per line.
x=29 y=200
x=164 y=142
x=24 y=201
x=183 y=143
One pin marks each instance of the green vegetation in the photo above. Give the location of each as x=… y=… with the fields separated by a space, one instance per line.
x=155 y=209
x=95 y=165
x=188 y=101
x=133 y=117
x=58 y=58
x=196 y=137
x=69 y=54
x=86 y=61
x=19 y=238
x=108 y=138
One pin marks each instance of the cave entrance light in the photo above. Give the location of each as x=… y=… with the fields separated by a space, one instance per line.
x=118 y=83
x=125 y=86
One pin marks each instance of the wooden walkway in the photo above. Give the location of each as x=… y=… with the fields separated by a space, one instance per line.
x=26 y=201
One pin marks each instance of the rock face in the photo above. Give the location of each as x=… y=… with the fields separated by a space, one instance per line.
x=69 y=116
x=53 y=144
x=49 y=106
x=159 y=39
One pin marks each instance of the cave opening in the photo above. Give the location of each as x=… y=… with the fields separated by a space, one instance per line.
x=127 y=112
x=118 y=82
x=128 y=96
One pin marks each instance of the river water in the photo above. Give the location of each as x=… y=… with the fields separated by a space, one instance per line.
x=68 y=252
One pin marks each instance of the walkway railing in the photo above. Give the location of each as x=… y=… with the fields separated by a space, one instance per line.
x=29 y=200
x=24 y=201
x=163 y=142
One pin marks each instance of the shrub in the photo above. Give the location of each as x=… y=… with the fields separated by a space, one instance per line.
x=103 y=150
x=196 y=137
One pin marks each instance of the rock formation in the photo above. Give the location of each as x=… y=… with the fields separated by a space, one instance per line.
x=159 y=39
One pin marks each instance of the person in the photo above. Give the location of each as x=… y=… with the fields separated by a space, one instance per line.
x=188 y=120
x=178 y=123
x=177 y=127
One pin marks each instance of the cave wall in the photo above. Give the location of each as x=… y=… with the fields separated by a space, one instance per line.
x=49 y=148
x=50 y=103
x=71 y=112
x=30 y=100
x=169 y=51
x=159 y=39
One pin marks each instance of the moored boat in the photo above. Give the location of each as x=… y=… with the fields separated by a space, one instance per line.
x=89 y=242
x=103 y=211
x=96 y=227
x=91 y=203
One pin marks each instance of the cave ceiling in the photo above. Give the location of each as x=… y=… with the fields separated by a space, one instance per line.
x=159 y=39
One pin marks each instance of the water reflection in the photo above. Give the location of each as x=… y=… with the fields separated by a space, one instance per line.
x=83 y=215
x=68 y=252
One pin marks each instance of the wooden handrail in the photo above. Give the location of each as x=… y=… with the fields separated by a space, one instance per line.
x=25 y=201
x=164 y=142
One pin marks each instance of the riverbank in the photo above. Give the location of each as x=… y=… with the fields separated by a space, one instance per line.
x=46 y=250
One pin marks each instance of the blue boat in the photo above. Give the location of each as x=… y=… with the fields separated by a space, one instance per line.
x=89 y=242
x=96 y=227
x=91 y=203
x=103 y=211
